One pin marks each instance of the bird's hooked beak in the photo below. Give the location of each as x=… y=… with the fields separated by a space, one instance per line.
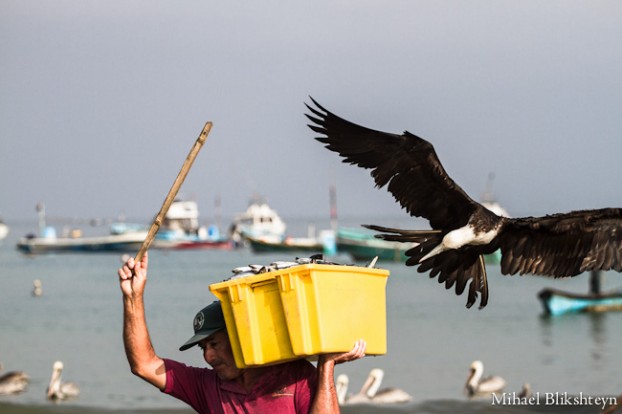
x=437 y=250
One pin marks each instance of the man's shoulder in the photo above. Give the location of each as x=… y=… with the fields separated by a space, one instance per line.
x=180 y=368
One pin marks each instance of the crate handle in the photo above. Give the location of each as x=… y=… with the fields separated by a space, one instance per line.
x=263 y=283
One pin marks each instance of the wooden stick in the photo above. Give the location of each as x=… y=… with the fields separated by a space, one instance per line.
x=157 y=222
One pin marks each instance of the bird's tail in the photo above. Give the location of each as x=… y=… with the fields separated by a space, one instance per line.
x=400 y=235
x=424 y=240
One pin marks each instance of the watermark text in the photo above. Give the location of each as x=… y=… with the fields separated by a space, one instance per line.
x=552 y=398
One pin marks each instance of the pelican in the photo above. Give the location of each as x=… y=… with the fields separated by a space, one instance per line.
x=370 y=392
x=476 y=386
x=463 y=230
x=37 y=288
x=13 y=382
x=58 y=390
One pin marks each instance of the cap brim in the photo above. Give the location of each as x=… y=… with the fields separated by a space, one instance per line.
x=198 y=338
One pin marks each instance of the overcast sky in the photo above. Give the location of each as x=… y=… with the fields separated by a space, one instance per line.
x=100 y=101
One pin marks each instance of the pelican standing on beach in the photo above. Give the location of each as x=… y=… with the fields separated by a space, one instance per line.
x=370 y=392
x=463 y=230
x=13 y=382
x=58 y=390
x=476 y=386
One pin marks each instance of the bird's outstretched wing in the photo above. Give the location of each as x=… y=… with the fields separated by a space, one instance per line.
x=407 y=163
x=564 y=244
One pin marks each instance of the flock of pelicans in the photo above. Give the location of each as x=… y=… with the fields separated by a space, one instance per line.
x=15 y=382
x=476 y=386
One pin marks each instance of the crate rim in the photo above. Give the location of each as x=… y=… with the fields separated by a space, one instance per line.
x=307 y=266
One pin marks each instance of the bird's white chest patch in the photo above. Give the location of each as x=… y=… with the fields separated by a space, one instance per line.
x=465 y=235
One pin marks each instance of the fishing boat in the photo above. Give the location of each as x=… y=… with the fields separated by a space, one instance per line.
x=181 y=229
x=49 y=243
x=362 y=245
x=287 y=244
x=557 y=302
x=258 y=221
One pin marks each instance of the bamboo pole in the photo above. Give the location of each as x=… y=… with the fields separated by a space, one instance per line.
x=157 y=221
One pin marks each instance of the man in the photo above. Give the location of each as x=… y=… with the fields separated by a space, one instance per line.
x=295 y=387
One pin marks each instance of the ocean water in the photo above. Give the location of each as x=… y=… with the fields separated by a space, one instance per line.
x=432 y=337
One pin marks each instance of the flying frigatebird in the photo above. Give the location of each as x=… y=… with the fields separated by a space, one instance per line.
x=463 y=230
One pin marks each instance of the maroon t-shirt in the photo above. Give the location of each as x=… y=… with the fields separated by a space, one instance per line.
x=283 y=388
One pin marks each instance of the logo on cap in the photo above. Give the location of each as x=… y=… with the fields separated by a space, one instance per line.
x=198 y=321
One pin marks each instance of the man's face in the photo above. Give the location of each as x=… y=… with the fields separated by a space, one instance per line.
x=217 y=352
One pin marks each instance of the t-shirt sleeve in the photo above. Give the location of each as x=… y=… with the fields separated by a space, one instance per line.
x=196 y=387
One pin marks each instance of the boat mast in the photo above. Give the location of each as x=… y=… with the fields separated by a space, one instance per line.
x=332 y=197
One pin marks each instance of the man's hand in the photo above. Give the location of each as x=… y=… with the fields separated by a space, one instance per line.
x=133 y=276
x=356 y=353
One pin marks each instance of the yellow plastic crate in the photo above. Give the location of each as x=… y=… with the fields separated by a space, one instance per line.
x=302 y=311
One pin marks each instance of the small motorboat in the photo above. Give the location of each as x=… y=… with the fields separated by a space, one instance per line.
x=558 y=302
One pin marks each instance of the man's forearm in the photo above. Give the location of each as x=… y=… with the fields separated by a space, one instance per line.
x=326 y=396
x=138 y=347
